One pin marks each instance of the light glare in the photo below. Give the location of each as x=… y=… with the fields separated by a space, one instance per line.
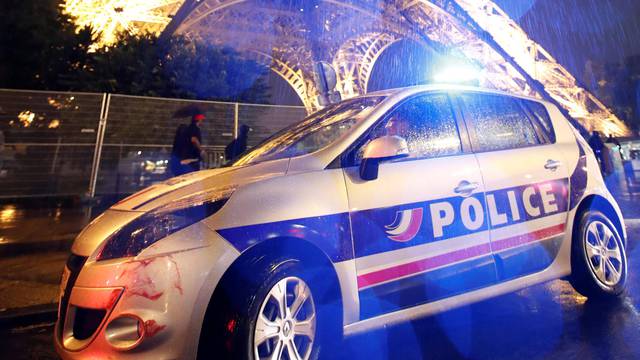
x=458 y=74
x=108 y=18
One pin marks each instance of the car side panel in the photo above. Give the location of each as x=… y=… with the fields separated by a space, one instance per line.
x=410 y=239
x=585 y=178
x=310 y=206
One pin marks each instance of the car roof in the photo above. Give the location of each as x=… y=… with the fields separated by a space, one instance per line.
x=406 y=91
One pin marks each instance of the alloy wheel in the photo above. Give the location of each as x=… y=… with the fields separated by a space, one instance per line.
x=286 y=324
x=605 y=257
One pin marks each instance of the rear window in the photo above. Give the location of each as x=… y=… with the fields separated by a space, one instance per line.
x=541 y=117
x=499 y=122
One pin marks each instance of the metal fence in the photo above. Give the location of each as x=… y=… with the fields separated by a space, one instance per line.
x=61 y=144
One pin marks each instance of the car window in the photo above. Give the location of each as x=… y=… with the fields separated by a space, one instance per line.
x=313 y=133
x=541 y=116
x=499 y=122
x=427 y=124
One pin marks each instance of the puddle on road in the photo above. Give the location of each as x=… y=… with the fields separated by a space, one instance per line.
x=9 y=214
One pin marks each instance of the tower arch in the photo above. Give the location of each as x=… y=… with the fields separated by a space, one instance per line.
x=405 y=62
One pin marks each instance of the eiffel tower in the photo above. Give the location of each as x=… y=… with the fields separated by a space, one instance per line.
x=293 y=36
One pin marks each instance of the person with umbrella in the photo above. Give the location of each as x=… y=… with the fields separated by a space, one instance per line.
x=238 y=145
x=187 y=151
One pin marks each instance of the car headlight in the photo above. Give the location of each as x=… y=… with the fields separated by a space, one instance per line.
x=163 y=221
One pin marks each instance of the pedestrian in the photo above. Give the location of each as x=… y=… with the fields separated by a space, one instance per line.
x=596 y=144
x=187 y=151
x=239 y=145
x=612 y=140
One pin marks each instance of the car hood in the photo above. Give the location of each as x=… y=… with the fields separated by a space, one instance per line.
x=173 y=189
x=181 y=186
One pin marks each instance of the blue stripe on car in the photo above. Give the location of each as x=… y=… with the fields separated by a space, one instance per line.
x=330 y=233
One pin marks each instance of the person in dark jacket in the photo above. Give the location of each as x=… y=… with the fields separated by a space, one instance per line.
x=239 y=145
x=187 y=151
x=596 y=144
x=612 y=140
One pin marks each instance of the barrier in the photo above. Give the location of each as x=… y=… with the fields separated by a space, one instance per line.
x=66 y=144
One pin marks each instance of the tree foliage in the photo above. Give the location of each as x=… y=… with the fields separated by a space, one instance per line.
x=144 y=65
x=41 y=49
x=618 y=86
x=38 y=44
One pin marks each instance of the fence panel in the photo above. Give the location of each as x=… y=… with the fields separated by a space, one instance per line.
x=264 y=120
x=47 y=142
x=140 y=130
x=139 y=134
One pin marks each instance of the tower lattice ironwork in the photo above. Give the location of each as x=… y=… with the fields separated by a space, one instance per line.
x=352 y=34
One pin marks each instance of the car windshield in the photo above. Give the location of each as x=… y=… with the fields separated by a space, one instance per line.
x=313 y=133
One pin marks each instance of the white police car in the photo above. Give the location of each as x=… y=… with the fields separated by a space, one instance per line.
x=377 y=210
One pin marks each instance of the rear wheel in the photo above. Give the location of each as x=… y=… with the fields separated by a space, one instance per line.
x=276 y=310
x=598 y=258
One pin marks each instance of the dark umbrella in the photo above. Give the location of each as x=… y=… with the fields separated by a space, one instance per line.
x=187 y=111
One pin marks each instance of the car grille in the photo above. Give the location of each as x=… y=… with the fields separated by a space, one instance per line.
x=86 y=322
x=74 y=264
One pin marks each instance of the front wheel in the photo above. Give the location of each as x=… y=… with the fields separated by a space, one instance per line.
x=598 y=258
x=275 y=311
x=285 y=327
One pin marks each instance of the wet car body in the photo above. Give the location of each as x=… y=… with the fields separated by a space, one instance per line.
x=392 y=235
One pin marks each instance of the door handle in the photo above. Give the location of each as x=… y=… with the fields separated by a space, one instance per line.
x=552 y=164
x=465 y=188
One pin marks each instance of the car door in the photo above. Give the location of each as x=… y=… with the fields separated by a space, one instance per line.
x=419 y=230
x=525 y=180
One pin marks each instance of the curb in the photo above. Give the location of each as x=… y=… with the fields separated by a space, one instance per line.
x=29 y=315
x=14 y=249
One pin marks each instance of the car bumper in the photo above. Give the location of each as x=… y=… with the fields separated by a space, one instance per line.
x=144 y=307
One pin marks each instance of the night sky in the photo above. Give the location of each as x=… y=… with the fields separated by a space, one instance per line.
x=575 y=31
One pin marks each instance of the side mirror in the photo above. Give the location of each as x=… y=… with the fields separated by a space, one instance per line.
x=381 y=149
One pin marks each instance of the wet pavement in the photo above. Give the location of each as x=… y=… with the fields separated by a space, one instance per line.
x=547 y=321
x=29 y=280
x=36 y=227
x=35 y=237
x=29 y=342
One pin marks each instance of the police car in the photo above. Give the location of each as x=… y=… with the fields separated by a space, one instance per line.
x=373 y=211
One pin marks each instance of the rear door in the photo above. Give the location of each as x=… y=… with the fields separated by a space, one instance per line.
x=525 y=180
x=419 y=230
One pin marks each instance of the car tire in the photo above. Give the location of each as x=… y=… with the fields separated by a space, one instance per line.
x=245 y=311
x=598 y=258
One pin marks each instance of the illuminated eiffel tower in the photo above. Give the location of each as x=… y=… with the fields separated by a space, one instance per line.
x=293 y=36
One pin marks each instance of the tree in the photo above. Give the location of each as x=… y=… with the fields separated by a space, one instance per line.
x=39 y=44
x=201 y=70
x=41 y=50
x=144 y=65
x=620 y=86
